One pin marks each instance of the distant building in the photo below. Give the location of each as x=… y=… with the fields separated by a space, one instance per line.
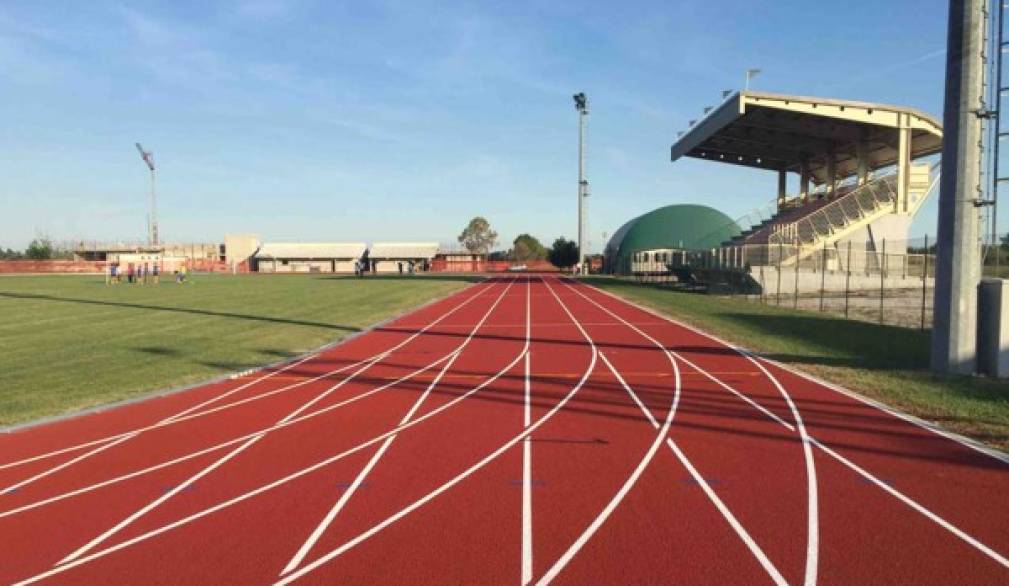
x=650 y=242
x=309 y=257
x=385 y=257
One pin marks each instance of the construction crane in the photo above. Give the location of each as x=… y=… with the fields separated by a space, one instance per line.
x=152 y=219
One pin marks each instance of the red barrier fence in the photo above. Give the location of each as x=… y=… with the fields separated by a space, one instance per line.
x=215 y=266
x=489 y=266
x=51 y=266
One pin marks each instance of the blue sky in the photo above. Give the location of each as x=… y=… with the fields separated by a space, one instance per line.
x=377 y=120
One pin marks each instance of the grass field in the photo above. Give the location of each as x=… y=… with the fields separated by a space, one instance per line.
x=887 y=363
x=71 y=342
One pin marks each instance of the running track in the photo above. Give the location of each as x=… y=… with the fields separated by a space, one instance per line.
x=525 y=430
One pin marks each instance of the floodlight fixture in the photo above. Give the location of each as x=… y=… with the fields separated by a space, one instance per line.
x=750 y=74
x=581 y=102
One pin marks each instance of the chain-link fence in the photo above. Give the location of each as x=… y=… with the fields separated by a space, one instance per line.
x=887 y=282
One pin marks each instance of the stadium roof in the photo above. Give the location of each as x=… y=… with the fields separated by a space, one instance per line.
x=777 y=132
x=403 y=250
x=311 y=250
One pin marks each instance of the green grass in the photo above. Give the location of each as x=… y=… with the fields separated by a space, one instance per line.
x=889 y=364
x=71 y=342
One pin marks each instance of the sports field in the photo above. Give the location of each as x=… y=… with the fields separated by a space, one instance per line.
x=69 y=342
x=524 y=430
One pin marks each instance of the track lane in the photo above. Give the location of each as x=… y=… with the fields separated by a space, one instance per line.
x=734 y=430
x=120 y=500
x=931 y=470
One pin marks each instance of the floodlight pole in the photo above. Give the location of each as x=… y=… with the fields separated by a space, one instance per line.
x=154 y=211
x=582 y=105
x=954 y=329
x=152 y=218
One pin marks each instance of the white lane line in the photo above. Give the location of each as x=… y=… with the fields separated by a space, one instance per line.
x=188 y=413
x=466 y=473
x=812 y=507
x=222 y=445
x=741 y=531
x=106 y=443
x=317 y=533
x=988 y=551
x=527 y=492
x=286 y=479
x=916 y=506
x=628 y=484
x=527 y=457
x=251 y=441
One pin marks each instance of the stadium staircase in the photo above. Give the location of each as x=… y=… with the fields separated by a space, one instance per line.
x=799 y=230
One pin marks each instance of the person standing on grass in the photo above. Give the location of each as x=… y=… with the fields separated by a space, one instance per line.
x=156 y=273
x=400 y=264
x=129 y=273
x=182 y=273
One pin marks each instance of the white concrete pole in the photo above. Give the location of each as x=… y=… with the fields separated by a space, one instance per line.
x=954 y=330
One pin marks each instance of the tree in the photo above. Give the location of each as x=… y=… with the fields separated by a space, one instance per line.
x=40 y=249
x=1005 y=242
x=564 y=253
x=478 y=238
x=527 y=247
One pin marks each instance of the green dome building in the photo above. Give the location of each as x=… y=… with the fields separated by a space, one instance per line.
x=677 y=227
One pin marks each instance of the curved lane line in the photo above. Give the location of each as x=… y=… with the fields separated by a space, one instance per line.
x=959 y=533
x=466 y=473
x=251 y=441
x=741 y=531
x=324 y=524
x=281 y=481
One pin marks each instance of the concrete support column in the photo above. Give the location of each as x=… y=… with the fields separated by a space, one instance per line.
x=804 y=180
x=831 y=173
x=782 y=188
x=903 y=163
x=862 y=156
x=954 y=329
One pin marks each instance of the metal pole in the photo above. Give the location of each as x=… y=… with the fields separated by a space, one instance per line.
x=997 y=106
x=882 y=277
x=154 y=212
x=777 y=293
x=924 y=284
x=847 y=281
x=581 y=104
x=954 y=331
x=823 y=273
x=795 y=305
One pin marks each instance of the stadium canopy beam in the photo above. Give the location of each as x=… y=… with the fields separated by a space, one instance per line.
x=820 y=139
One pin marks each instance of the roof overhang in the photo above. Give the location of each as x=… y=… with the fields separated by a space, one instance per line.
x=778 y=132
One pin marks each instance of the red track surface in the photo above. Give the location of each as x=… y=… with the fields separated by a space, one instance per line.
x=524 y=430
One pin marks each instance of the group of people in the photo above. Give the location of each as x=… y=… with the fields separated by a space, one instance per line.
x=363 y=266
x=140 y=274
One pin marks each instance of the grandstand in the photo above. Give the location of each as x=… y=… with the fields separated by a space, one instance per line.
x=861 y=178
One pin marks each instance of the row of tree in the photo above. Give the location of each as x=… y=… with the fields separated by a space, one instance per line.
x=39 y=249
x=479 y=238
